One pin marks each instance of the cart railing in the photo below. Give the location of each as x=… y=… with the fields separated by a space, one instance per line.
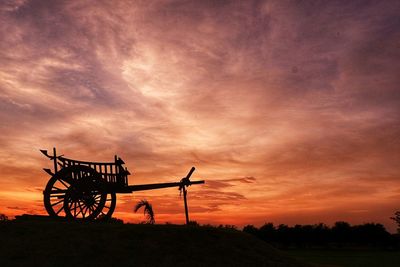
x=111 y=172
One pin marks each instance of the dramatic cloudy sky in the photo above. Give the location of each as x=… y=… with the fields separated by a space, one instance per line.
x=290 y=110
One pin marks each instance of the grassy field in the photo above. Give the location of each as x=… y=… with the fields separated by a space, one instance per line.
x=49 y=243
x=347 y=258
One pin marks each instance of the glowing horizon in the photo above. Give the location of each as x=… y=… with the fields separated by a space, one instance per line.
x=289 y=110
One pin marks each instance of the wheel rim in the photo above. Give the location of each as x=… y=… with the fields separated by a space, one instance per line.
x=109 y=207
x=54 y=193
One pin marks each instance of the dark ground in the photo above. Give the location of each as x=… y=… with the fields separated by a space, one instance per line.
x=50 y=243
x=348 y=257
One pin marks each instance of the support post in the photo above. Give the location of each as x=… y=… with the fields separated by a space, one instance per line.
x=116 y=168
x=55 y=160
x=186 y=206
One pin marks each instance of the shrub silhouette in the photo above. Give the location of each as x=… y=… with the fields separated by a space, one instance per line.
x=193 y=223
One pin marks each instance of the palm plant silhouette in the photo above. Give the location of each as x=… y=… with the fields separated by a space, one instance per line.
x=147 y=210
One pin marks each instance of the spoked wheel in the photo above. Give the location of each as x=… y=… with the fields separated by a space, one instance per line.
x=109 y=207
x=85 y=199
x=55 y=191
x=75 y=192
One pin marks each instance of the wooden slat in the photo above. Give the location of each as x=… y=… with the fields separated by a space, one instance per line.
x=105 y=172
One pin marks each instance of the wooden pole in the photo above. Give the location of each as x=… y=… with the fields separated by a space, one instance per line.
x=186 y=206
x=55 y=160
x=116 y=168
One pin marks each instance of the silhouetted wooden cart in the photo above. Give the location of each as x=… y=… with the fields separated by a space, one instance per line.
x=83 y=190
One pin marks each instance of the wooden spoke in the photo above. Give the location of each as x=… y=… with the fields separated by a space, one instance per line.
x=57 y=192
x=58 y=188
x=91 y=209
x=61 y=181
x=80 y=208
x=58 y=202
x=62 y=207
x=57 y=195
x=83 y=212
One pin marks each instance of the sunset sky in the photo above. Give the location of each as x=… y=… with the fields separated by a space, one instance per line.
x=290 y=110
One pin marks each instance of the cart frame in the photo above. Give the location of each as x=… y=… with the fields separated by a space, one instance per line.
x=83 y=190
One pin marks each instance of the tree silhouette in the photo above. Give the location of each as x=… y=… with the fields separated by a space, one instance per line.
x=3 y=218
x=251 y=229
x=341 y=235
x=396 y=218
x=342 y=232
x=148 y=210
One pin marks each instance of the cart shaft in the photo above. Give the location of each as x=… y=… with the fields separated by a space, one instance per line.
x=143 y=187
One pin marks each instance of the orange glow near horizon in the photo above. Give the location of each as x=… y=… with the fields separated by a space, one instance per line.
x=288 y=110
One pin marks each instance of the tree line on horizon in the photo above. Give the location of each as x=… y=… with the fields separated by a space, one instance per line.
x=320 y=235
x=341 y=234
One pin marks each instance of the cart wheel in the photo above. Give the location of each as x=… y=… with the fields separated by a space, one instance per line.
x=55 y=190
x=86 y=197
x=109 y=207
x=62 y=188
